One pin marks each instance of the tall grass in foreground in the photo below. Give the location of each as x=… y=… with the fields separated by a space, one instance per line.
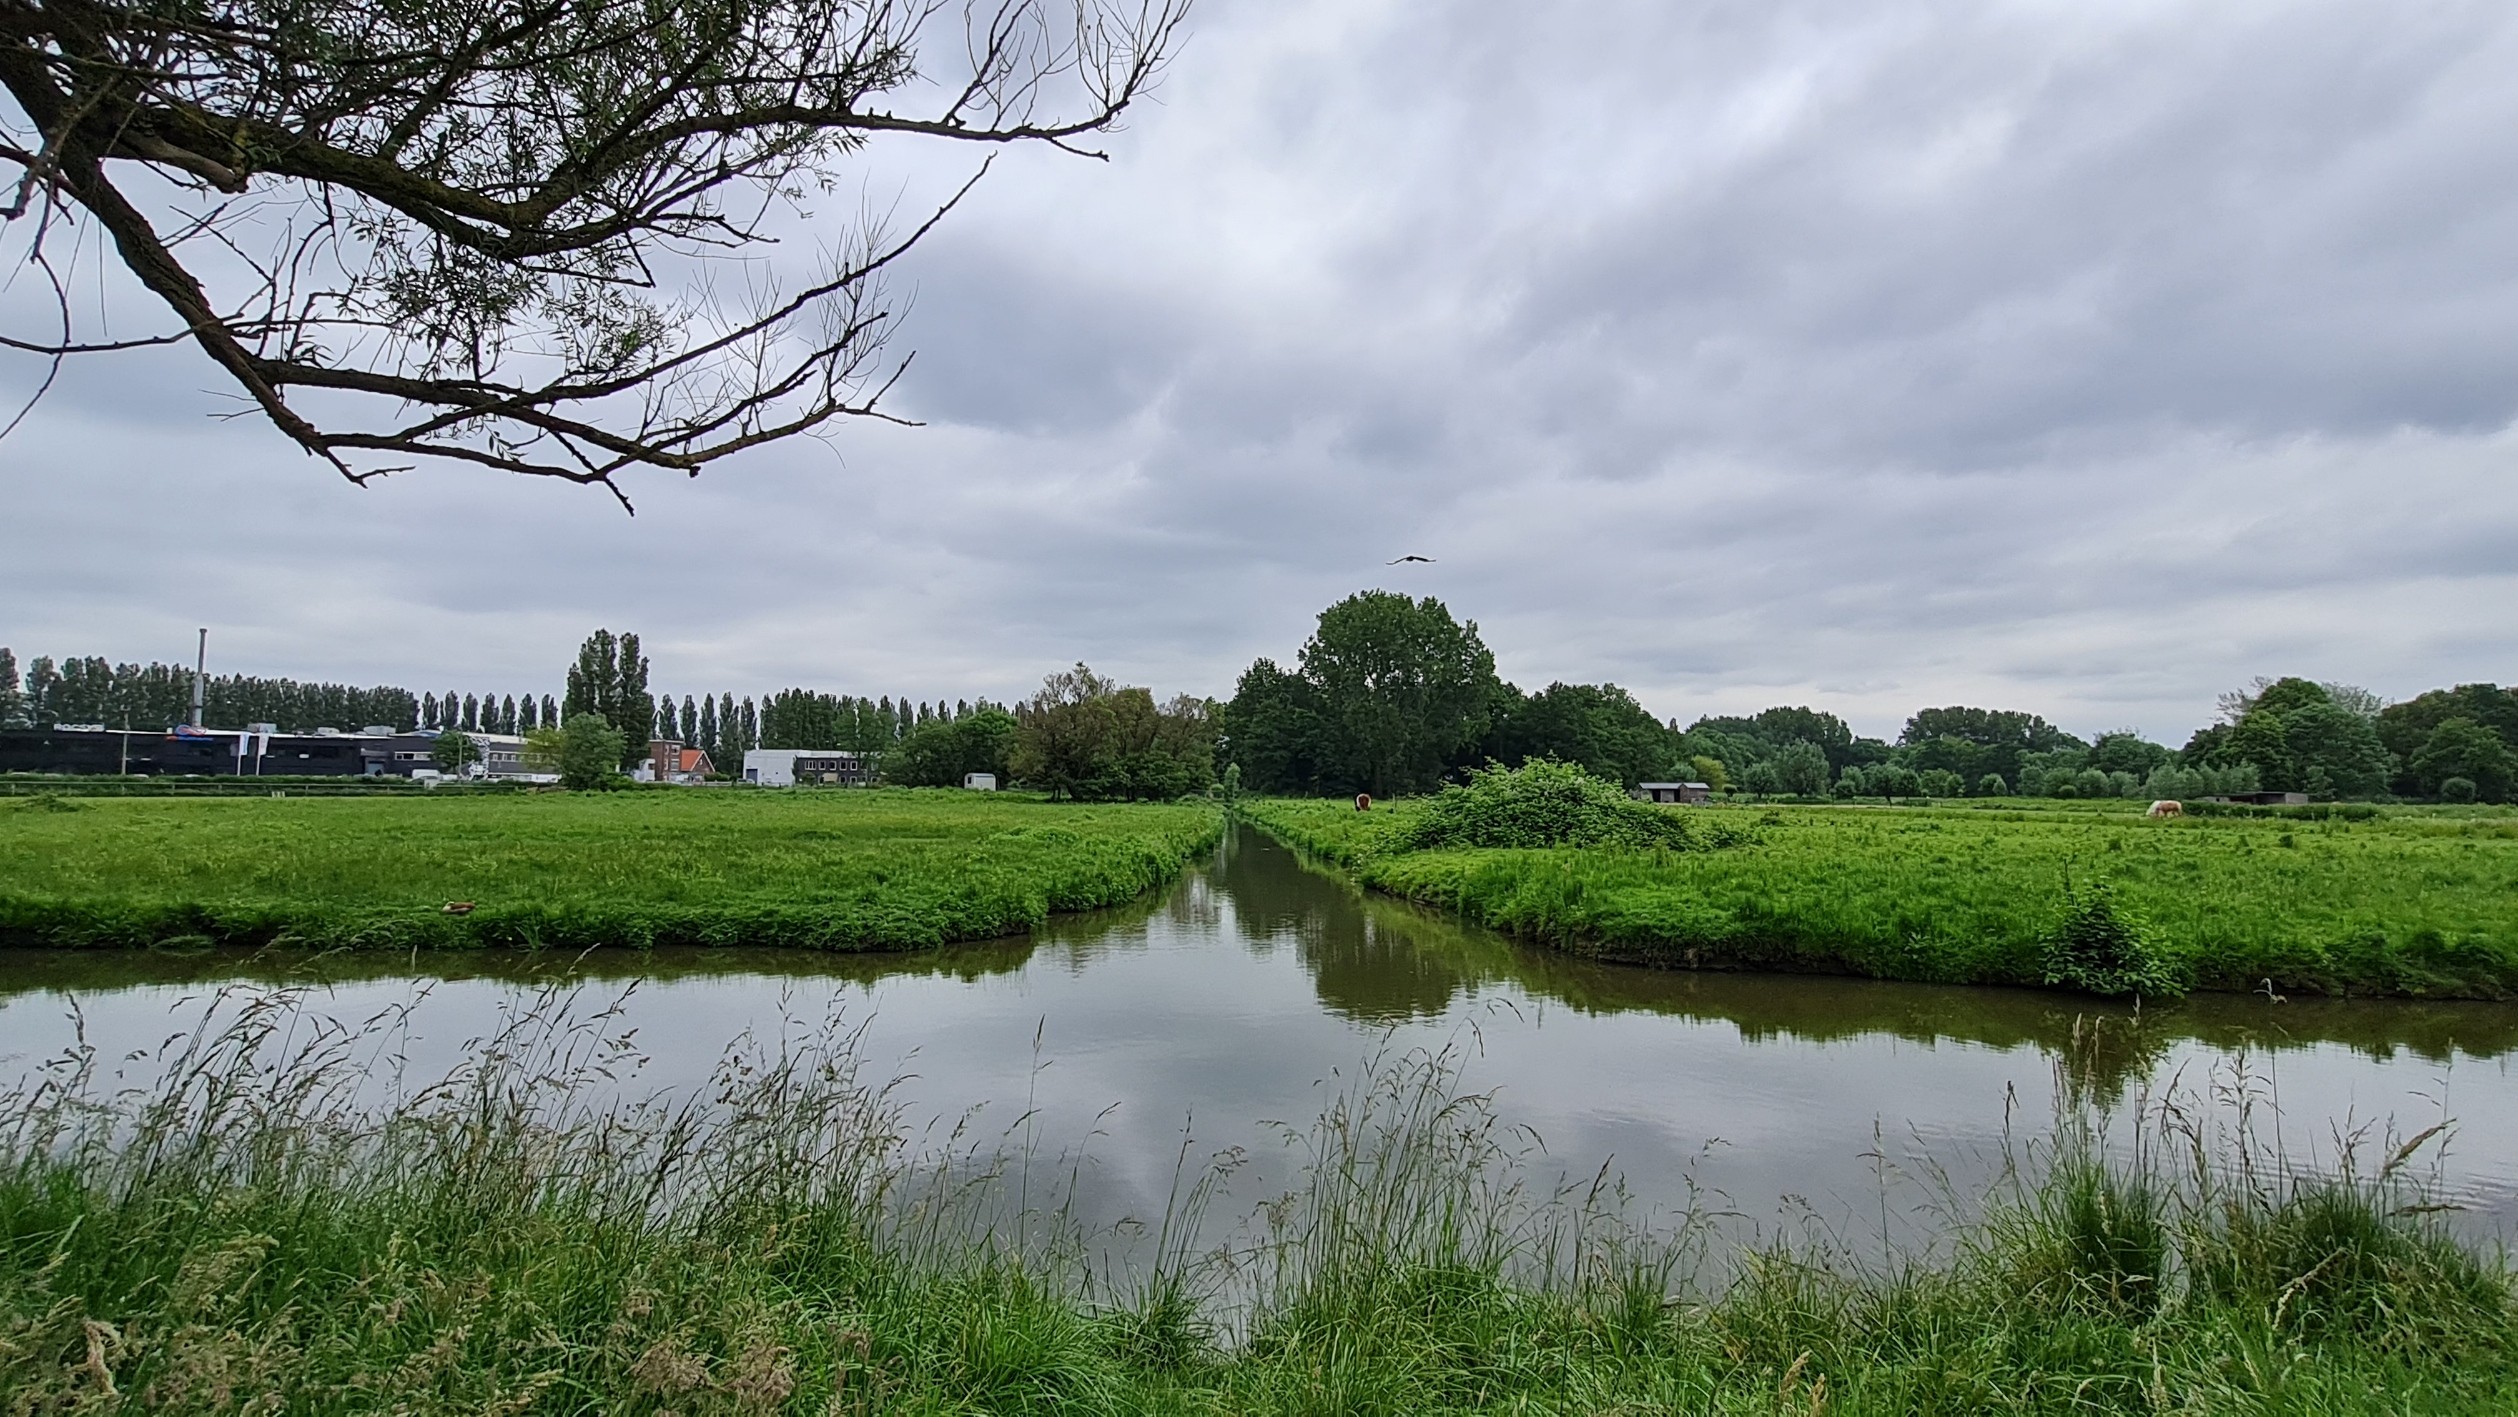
x=254 y=1231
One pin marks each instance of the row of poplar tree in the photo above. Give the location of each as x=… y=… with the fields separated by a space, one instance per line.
x=610 y=678
x=158 y=696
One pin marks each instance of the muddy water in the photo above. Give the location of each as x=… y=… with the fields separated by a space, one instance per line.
x=1253 y=988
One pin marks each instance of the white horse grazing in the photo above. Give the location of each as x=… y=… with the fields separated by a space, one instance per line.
x=2167 y=809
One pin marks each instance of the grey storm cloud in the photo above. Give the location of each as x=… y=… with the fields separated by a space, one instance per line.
x=2083 y=359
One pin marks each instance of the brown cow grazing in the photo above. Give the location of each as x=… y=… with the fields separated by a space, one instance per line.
x=2167 y=809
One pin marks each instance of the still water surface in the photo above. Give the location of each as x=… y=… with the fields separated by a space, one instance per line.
x=1253 y=988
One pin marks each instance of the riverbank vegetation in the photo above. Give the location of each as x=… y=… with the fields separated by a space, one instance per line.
x=2395 y=904
x=855 y=870
x=274 y=1225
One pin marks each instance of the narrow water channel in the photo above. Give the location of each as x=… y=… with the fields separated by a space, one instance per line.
x=1255 y=987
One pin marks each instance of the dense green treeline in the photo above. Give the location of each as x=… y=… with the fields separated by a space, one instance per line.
x=1394 y=696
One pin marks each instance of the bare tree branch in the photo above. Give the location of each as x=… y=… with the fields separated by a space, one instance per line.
x=479 y=230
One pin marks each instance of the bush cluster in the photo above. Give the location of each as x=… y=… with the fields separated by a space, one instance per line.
x=2103 y=950
x=1543 y=803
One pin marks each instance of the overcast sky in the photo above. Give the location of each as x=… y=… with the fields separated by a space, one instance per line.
x=2083 y=359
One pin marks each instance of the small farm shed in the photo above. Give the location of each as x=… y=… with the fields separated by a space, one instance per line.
x=1673 y=792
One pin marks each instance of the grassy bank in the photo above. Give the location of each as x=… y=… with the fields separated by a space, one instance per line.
x=241 y=1238
x=2414 y=904
x=854 y=870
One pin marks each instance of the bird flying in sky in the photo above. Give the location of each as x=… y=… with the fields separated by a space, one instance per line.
x=1426 y=559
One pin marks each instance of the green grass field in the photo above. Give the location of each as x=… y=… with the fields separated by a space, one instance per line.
x=855 y=870
x=2406 y=903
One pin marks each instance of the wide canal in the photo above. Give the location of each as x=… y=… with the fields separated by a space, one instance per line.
x=1251 y=991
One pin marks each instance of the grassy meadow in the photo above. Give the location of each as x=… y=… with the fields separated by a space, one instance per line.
x=2407 y=903
x=247 y=1235
x=833 y=870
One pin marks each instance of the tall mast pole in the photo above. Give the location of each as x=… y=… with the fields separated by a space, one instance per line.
x=200 y=668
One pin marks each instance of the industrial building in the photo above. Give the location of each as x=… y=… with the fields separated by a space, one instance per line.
x=258 y=751
x=793 y=767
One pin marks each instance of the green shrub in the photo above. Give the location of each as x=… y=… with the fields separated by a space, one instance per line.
x=2102 y=950
x=590 y=747
x=1543 y=803
x=2458 y=790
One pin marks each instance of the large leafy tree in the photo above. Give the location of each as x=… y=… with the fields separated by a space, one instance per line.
x=2129 y=752
x=491 y=232
x=1797 y=724
x=1273 y=729
x=1975 y=741
x=1599 y=726
x=1405 y=691
x=1086 y=737
x=1739 y=742
x=1801 y=767
x=2299 y=740
x=2461 y=747
x=591 y=751
x=2406 y=727
x=454 y=751
x=2337 y=751
x=943 y=751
